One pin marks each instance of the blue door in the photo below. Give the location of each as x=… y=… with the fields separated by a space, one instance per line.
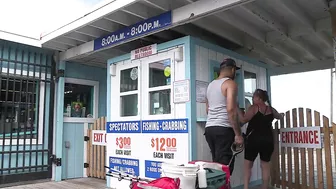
x=73 y=151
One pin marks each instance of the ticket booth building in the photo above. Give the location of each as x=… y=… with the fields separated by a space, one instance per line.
x=167 y=85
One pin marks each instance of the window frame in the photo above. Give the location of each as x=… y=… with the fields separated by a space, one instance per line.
x=95 y=85
x=124 y=65
x=146 y=89
x=253 y=71
x=41 y=129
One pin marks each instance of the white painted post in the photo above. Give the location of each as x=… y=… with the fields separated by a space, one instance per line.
x=332 y=9
x=332 y=94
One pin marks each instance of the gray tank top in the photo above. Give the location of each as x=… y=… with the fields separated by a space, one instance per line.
x=217 y=113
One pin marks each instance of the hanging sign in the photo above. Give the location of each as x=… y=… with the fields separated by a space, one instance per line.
x=201 y=90
x=301 y=137
x=181 y=91
x=144 y=52
x=139 y=147
x=139 y=29
x=134 y=74
x=98 y=137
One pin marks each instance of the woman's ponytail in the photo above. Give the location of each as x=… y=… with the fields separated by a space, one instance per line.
x=266 y=98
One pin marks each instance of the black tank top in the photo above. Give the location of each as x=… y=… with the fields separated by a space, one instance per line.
x=260 y=124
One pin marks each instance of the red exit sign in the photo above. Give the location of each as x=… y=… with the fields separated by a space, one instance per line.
x=99 y=137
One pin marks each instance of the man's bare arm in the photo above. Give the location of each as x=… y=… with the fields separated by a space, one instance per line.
x=231 y=105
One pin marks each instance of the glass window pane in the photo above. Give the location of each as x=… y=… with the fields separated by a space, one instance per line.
x=159 y=73
x=159 y=102
x=78 y=100
x=250 y=82
x=248 y=102
x=19 y=100
x=129 y=105
x=216 y=73
x=129 y=79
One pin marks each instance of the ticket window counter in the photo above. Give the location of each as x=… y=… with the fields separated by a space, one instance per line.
x=247 y=84
x=238 y=79
x=246 y=80
x=250 y=85
x=142 y=94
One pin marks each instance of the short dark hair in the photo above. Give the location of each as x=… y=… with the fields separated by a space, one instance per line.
x=228 y=63
x=226 y=68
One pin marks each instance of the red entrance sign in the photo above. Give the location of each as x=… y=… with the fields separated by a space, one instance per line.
x=301 y=137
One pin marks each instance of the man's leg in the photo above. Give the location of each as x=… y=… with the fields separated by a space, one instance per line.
x=210 y=138
x=224 y=140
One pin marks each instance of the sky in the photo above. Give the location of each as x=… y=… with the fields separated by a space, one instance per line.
x=33 y=17
x=308 y=90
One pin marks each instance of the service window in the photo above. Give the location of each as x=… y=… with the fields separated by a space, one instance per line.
x=145 y=88
x=158 y=74
x=216 y=72
x=80 y=99
x=128 y=91
x=159 y=87
x=250 y=85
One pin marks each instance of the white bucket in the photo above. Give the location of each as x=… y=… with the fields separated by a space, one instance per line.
x=187 y=174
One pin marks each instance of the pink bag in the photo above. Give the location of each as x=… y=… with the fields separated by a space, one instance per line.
x=161 y=183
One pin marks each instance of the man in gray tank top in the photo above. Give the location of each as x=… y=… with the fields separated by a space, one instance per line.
x=222 y=128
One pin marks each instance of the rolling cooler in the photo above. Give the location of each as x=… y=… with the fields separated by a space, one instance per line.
x=215 y=179
x=218 y=175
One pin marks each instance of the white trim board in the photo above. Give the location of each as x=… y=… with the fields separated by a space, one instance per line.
x=86 y=127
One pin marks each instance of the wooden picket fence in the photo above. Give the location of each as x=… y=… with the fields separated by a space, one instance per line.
x=296 y=168
x=96 y=155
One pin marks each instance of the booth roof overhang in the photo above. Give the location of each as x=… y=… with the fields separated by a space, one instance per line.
x=289 y=36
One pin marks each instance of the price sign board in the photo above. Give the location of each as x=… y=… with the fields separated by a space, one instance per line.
x=140 y=147
x=123 y=133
